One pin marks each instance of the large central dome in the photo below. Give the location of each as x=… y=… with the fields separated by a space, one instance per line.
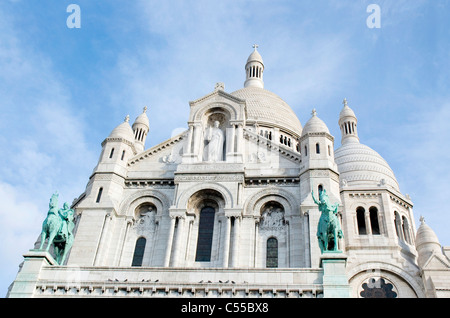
x=267 y=108
x=263 y=106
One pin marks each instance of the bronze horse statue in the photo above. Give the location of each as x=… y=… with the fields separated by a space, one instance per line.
x=329 y=229
x=58 y=228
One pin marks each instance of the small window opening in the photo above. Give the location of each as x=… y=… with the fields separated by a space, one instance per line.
x=360 y=218
x=373 y=211
x=99 y=195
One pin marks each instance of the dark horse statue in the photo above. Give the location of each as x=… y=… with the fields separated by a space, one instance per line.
x=58 y=228
x=329 y=229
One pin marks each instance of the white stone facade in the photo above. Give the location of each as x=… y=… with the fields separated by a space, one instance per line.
x=260 y=238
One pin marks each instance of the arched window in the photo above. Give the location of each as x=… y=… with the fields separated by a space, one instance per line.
x=111 y=153
x=272 y=253
x=317 y=148
x=405 y=226
x=320 y=188
x=139 y=252
x=123 y=155
x=360 y=218
x=205 y=234
x=373 y=211
x=329 y=150
x=99 y=195
x=306 y=151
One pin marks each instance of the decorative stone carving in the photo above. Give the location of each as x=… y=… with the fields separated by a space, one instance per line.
x=272 y=217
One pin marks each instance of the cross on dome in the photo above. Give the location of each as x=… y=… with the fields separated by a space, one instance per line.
x=127 y=119
x=314 y=112
x=255 y=46
x=345 y=102
x=145 y=109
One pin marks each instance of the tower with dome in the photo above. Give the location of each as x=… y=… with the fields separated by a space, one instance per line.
x=226 y=209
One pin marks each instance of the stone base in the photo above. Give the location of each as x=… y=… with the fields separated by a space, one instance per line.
x=335 y=281
x=25 y=283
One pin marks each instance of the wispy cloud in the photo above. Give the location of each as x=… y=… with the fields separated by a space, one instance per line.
x=43 y=140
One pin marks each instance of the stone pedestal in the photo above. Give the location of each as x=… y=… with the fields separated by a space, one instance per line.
x=25 y=283
x=335 y=281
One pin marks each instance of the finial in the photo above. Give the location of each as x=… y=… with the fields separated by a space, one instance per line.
x=219 y=86
x=314 y=113
x=422 y=220
x=127 y=119
x=145 y=109
x=255 y=46
x=345 y=102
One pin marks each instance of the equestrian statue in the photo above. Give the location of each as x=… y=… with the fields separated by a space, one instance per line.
x=329 y=229
x=58 y=227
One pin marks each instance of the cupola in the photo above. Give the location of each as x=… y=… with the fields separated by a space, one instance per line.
x=254 y=69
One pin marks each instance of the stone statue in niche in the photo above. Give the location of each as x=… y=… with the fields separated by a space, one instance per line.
x=146 y=218
x=215 y=141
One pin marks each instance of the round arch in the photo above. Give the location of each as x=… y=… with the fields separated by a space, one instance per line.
x=224 y=108
x=155 y=197
x=254 y=204
x=185 y=196
x=358 y=274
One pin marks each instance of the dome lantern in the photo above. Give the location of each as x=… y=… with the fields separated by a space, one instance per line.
x=348 y=123
x=254 y=69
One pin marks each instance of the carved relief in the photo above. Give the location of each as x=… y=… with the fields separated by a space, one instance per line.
x=272 y=217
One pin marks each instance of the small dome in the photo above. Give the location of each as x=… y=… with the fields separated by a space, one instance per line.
x=315 y=125
x=427 y=242
x=346 y=111
x=267 y=108
x=142 y=119
x=359 y=164
x=255 y=57
x=123 y=131
x=426 y=235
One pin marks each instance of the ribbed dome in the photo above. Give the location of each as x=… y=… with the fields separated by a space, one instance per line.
x=359 y=164
x=123 y=131
x=426 y=235
x=268 y=108
x=142 y=119
x=255 y=57
x=315 y=125
x=427 y=242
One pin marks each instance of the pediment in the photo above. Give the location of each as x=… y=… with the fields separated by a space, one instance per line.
x=168 y=152
x=437 y=261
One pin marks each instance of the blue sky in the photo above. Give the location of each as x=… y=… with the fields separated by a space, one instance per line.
x=63 y=90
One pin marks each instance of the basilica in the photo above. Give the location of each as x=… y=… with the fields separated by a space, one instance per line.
x=229 y=208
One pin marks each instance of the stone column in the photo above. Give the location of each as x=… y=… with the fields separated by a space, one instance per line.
x=230 y=139
x=226 y=242
x=235 y=239
x=189 y=141
x=169 y=242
